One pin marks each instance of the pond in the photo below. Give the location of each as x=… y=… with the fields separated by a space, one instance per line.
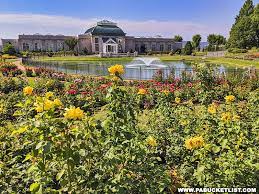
x=138 y=68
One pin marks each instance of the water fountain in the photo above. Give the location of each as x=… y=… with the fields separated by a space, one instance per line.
x=146 y=62
x=144 y=68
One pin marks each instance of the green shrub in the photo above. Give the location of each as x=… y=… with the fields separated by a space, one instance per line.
x=237 y=50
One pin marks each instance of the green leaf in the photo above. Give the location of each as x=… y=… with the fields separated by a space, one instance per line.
x=27 y=157
x=224 y=143
x=34 y=187
x=19 y=131
x=216 y=149
x=60 y=174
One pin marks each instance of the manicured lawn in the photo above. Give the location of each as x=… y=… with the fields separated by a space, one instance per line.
x=83 y=58
x=213 y=60
x=197 y=59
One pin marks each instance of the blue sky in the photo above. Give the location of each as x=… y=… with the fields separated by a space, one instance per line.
x=136 y=17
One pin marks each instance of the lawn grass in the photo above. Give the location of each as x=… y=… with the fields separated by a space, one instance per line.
x=213 y=60
x=83 y=58
x=197 y=59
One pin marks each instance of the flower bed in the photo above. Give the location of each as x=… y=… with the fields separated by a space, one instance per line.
x=154 y=137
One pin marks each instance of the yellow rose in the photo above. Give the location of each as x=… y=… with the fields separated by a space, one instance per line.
x=74 y=114
x=177 y=100
x=212 y=109
x=194 y=142
x=57 y=102
x=230 y=98
x=116 y=70
x=39 y=108
x=226 y=117
x=49 y=95
x=48 y=104
x=142 y=91
x=28 y=90
x=151 y=141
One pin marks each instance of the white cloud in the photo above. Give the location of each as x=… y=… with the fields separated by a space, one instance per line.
x=13 y=24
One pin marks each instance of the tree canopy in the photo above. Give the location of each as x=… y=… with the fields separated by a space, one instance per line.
x=71 y=43
x=196 y=40
x=188 y=48
x=178 y=38
x=244 y=32
x=9 y=49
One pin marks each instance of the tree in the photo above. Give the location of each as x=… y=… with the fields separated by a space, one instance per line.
x=196 y=40
x=188 y=48
x=178 y=38
x=9 y=49
x=255 y=20
x=71 y=43
x=243 y=33
x=246 y=10
x=215 y=41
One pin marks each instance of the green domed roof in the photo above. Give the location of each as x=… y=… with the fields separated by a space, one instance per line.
x=106 y=28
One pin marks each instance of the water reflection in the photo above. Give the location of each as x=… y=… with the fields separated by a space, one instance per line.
x=141 y=73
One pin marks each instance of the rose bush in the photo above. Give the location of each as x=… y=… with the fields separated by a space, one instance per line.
x=74 y=134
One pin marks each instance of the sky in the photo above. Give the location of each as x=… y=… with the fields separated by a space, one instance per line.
x=136 y=17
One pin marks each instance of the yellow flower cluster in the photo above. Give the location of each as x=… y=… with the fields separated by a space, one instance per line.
x=57 y=102
x=47 y=104
x=142 y=91
x=194 y=142
x=230 y=98
x=212 y=109
x=74 y=114
x=227 y=117
x=116 y=70
x=151 y=141
x=27 y=90
x=177 y=100
x=49 y=95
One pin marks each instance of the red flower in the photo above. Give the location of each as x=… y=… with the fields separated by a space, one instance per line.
x=72 y=92
x=84 y=93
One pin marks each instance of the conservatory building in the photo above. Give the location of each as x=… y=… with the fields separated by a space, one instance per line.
x=105 y=37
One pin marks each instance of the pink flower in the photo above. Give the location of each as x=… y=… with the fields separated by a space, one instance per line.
x=72 y=92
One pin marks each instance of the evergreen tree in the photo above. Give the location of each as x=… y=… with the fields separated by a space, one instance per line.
x=255 y=19
x=243 y=32
x=246 y=10
x=188 y=48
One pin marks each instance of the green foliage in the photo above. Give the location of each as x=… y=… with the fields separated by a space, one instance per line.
x=71 y=43
x=244 y=33
x=237 y=50
x=9 y=49
x=178 y=38
x=215 y=41
x=196 y=39
x=43 y=151
x=188 y=48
